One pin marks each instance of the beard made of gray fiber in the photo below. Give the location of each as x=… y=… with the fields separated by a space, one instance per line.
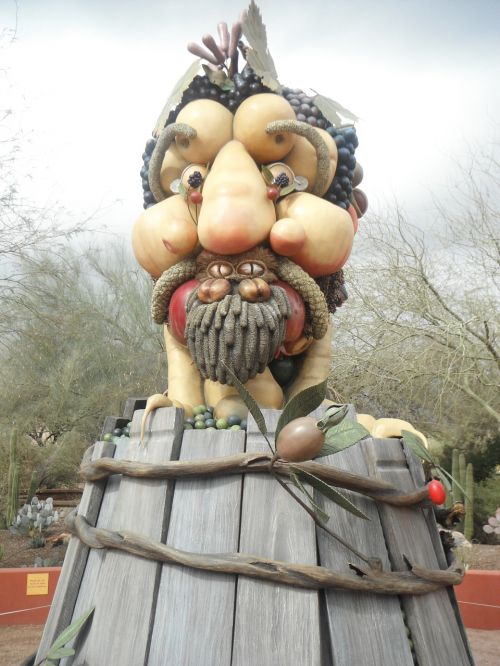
x=243 y=335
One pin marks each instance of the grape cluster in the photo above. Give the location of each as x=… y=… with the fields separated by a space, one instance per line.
x=247 y=83
x=304 y=108
x=340 y=190
x=148 y=197
x=195 y=179
x=282 y=180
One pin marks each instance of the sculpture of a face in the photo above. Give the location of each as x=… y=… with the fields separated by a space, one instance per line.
x=250 y=215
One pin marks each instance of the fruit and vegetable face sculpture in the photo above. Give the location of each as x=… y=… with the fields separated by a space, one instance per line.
x=251 y=211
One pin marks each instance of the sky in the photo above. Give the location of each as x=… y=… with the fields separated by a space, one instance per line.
x=87 y=79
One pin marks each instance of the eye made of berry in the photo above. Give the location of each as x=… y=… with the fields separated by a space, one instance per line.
x=251 y=268
x=281 y=180
x=190 y=184
x=220 y=269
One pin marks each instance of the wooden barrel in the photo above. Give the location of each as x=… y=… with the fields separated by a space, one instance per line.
x=163 y=614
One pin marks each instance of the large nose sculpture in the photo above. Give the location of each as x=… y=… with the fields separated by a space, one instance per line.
x=236 y=214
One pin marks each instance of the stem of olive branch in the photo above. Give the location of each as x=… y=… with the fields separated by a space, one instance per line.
x=365 y=559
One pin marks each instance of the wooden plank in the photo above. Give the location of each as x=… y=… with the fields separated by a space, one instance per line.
x=126 y=586
x=195 y=609
x=275 y=625
x=75 y=560
x=88 y=586
x=132 y=405
x=418 y=478
x=434 y=629
x=375 y=617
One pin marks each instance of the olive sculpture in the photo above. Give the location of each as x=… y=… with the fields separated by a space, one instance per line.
x=300 y=440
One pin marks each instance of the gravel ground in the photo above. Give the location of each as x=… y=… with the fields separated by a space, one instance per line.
x=19 y=642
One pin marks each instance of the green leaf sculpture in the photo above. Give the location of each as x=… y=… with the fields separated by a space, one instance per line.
x=249 y=401
x=302 y=404
x=329 y=492
x=57 y=649
x=342 y=436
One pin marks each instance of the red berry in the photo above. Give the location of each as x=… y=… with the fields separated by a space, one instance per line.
x=195 y=197
x=437 y=493
x=273 y=192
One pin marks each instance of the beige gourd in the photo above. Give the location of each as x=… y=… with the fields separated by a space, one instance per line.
x=236 y=214
x=163 y=235
x=303 y=160
x=316 y=365
x=384 y=428
x=250 y=122
x=172 y=166
x=328 y=228
x=214 y=128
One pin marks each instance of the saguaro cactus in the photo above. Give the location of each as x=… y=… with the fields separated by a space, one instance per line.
x=462 y=469
x=455 y=472
x=33 y=487
x=13 y=481
x=469 y=503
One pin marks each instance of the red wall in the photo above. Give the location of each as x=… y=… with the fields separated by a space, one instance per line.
x=479 y=599
x=15 y=584
x=478 y=596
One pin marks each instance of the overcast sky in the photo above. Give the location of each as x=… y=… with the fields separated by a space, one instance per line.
x=86 y=80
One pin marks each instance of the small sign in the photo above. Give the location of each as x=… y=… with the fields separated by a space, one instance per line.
x=37 y=584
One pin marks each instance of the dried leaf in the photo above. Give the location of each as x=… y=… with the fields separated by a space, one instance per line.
x=257 y=54
x=255 y=32
x=219 y=78
x=176 y=96
x=302 y=404
x=330 y=492
x=333 y=110
x=249 y=401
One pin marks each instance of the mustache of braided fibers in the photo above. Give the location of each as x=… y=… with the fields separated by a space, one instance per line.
x=244 y=335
